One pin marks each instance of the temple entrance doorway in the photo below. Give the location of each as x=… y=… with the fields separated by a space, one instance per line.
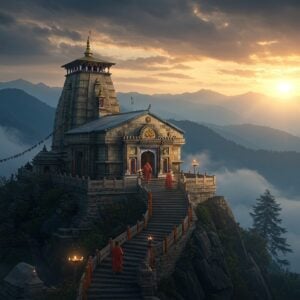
x=150 y=157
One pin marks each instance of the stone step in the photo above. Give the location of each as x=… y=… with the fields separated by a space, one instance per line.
x=169 y=209
x=106 y=269
x=136 y=296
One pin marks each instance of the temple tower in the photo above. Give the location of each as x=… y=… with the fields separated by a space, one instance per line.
x=88 y=94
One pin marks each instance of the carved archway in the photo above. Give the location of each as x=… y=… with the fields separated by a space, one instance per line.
x=150 y=157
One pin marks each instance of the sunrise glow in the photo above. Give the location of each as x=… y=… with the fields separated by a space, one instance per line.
x=285 y=88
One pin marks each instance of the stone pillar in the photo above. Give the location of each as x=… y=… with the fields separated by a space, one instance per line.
x=160 y=161
x=125 y=159
x=139 y=161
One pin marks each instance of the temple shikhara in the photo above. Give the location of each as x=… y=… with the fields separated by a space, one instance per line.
x=92 y=137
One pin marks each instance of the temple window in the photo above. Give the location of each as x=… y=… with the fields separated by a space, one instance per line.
x=101 y=102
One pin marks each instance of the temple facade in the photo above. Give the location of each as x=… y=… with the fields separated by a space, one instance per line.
x=93 y=138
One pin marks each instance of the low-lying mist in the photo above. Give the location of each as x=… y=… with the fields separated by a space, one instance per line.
x=241 y=188
x=10 y=145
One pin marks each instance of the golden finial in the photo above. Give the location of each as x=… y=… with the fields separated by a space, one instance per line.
x=88 y=51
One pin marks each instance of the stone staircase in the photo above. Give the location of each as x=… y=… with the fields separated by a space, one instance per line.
x=169 y=209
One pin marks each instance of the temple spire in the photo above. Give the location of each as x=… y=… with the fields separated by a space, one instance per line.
x=88 y=52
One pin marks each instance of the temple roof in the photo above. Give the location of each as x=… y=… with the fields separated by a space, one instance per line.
x=88 y=58
x=108 y=122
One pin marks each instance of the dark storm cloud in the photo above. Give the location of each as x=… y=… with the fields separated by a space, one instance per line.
x=226 y=30
x=28 y=42
x=6 y=19
x=54 y=30
x=249 y=6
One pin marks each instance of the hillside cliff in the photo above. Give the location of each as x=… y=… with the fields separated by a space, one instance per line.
x=215 y=263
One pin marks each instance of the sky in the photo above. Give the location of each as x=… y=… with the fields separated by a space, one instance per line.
x=159 y=46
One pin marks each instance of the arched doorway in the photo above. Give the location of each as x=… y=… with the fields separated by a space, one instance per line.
x=149 y=156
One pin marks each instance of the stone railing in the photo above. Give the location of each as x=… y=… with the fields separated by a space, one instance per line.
x=157 y=263
x=100 y=255
x=199 y=187
x=70 y=182
x=112 y=184
x=85 y=183
x=198 y=180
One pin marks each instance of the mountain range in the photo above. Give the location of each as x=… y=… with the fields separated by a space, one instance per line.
x=207 y=106
x=258 y=137
x=203 y=106
x=33 y=120
x=25 y=116
x=46 y=94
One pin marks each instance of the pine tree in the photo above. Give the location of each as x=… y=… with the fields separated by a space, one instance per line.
x=266 y=222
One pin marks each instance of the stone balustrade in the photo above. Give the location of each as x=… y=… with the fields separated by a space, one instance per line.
x=70 y=182
x=126 y=183
x=199 y=187
x=86 y=184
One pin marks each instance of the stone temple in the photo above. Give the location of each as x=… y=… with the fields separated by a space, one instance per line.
x=92 y=138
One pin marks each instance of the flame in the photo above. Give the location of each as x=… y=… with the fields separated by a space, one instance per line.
x=75 y=258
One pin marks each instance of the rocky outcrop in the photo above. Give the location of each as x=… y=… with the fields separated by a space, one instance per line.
x=215 y=263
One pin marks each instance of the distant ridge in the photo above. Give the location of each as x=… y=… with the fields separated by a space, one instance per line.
x=27 y=116
x=259 y=137
x=46 y=94
x=203 y=106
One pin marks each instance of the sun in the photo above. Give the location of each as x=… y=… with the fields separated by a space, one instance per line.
x=285 y=88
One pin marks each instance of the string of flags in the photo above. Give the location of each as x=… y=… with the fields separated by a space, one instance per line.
x=37 y=144
x=27 y=150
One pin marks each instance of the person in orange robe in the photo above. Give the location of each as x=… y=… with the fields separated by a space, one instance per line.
x=168 y=182
x=117 y=258
x=147 y=170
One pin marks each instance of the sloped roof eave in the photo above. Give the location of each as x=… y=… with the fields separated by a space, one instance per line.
x=139 y=114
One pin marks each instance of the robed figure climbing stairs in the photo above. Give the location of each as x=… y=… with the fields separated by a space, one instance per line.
x=169 y=208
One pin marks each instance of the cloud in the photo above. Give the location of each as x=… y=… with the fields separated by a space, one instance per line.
x=11 y=145
x=174 y=75
x=6 y=19
x=151 y=63
x=241 y=188
x=238 y=72
x=27 y=42
x=225 y=30
x=138 y=80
